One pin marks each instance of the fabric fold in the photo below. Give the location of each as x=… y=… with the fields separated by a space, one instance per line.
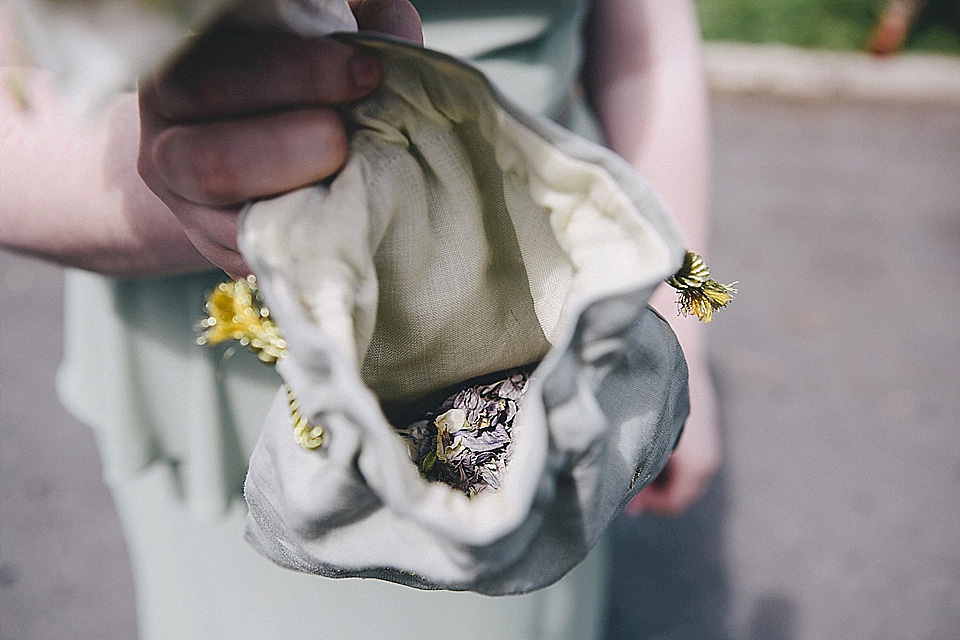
x=463 y=238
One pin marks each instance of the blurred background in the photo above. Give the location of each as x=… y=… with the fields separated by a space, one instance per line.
x=882 y=26
x=836 y=514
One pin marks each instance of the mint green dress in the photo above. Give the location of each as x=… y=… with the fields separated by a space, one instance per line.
x=176 y=422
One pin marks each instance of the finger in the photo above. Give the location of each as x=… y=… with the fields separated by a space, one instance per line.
x=397 y=18
x=236 y=70
x=666 y=505
x=637 y=505
x=674 y=498
x=640 y=503
x=228 y=162
x=214 y=233
x=216 y=227
x=231 y=262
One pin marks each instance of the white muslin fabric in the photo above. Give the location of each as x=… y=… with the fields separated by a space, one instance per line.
x=463 y=237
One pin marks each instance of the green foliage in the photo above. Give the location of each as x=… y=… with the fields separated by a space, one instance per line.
x=830 y=24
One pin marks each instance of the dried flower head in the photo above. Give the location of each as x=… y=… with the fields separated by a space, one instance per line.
x=465 y=442
x=235 y=312
x=698 y=293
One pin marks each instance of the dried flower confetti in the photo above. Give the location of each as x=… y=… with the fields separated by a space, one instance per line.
x=465 y=442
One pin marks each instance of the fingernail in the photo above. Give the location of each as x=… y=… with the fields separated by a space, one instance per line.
x=365 y=69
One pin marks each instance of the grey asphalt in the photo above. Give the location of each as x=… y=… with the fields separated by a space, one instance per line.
x=836 y=514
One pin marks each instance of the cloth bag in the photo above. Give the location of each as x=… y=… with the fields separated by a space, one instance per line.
x=463 y=237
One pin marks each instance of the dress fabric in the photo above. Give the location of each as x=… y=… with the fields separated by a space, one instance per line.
x=176 y=423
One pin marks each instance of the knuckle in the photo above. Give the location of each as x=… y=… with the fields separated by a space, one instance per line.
x=335 y=73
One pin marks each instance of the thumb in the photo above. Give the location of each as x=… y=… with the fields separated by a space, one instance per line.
x=397 y=18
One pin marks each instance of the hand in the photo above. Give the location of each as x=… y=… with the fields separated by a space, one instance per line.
x=248 y=114
x=693 y=463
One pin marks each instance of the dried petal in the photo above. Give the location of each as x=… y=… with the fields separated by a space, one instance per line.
x=465 y=443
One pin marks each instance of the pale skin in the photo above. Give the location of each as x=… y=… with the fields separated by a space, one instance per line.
x=646 y=82
x=154 y=186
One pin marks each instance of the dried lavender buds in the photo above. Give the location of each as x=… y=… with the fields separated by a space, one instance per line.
x=465 y=442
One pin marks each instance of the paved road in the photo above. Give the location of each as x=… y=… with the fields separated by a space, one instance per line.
x=836 y=515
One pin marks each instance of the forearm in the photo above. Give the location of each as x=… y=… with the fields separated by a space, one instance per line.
x=69 y=189
x=646 y=82
x=645 y=79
